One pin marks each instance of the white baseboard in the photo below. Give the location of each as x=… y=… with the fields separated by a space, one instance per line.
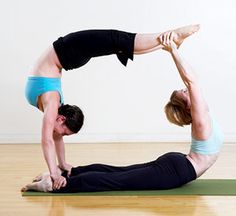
x=108 y=137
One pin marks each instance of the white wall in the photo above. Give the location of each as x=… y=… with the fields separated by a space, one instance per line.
x=120 y=104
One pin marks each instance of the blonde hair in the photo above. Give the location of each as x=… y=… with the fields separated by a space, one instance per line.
x=176 y=111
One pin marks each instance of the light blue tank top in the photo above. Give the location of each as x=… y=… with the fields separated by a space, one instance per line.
x=37 y=86
x=210 y=146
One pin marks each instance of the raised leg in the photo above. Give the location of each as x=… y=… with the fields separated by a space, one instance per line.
x=145 y=43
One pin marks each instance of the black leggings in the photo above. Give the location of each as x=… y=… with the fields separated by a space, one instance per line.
x=76 y=49
x=168 y=171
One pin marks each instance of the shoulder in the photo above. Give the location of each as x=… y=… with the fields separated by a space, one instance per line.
x=49 y=101
x=201 y=119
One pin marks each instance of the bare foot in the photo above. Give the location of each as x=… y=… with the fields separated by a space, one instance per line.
x=184 y=32
x=43 y=185
x=40 y=176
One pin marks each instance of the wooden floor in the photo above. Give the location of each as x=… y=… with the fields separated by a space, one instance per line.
x=20 y=163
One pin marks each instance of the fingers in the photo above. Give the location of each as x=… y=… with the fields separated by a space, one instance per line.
x=64 y=183
x=162 y=38
x=59 y=182
x=171 y=37
x=168 y=38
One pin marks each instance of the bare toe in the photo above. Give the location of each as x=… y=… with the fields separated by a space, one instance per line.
x=24 y=189
x=45 y=185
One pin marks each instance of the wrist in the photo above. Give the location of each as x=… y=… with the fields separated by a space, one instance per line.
x=62 y=165
x=174 y=53
x=57 y=172
x=54 y=171
x=53 y=174
x=174 y=50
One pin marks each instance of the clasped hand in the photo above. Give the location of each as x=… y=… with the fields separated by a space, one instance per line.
x=167 y=40
x=58 y=181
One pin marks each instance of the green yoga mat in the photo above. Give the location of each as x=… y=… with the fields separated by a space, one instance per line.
x=203 y=187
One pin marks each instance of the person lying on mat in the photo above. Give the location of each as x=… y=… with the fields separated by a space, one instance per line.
x=43 y=89
x=171 y=170
x=188 y=107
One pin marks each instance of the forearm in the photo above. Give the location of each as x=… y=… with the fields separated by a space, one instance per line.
x=185 y=70
x=61 y=159
x=60 y=151
x=49 y=153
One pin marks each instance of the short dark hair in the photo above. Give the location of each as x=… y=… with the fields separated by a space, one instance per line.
x=74 y=117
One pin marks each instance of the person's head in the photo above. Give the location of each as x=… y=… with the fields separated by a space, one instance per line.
x=69 y=120
x=178 y=108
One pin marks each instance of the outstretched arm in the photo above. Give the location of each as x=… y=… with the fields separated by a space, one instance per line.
x=50 y=105
x=60 y=151
x=201 y=123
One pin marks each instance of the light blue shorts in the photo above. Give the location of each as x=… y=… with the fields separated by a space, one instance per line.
x=37 y=86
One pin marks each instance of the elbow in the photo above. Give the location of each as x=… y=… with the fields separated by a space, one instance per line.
x=47 y=143
x=191 y=84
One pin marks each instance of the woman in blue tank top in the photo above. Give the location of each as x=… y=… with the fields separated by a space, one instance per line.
x=43 y=89
x=171 y=170
x=188 y=107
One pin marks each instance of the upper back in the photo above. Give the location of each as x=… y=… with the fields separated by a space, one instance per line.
x=211 y=145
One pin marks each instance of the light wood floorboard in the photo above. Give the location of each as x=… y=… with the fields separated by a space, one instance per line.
x=19 y=163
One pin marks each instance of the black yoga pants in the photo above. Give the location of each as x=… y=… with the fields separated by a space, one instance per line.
x=168 y=171
x=76 y=49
